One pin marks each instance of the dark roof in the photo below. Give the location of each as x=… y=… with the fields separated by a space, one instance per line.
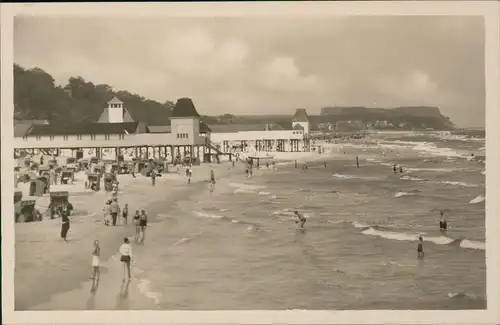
x=204 y=128
x=298 y=127
x=88 y=128
x=185 y=108
x=21 y=129
x=300 y=115
x=115 y=100
x=151 y=115
x=160 y=129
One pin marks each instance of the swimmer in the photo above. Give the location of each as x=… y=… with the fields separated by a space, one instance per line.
x=420 y=248
x=300 y=219
x=443 y=224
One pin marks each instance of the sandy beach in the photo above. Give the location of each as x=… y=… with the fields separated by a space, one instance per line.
x=42 y=254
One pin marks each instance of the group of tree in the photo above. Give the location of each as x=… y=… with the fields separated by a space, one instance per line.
x=36 y=96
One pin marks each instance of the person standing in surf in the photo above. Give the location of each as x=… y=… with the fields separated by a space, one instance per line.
x=126 y=257
x=357 y=162
x=394 y=169
x=420 y=248
x=65 y=223
x=301 y=220
x=443 y=224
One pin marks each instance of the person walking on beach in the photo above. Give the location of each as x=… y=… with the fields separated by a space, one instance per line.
x=420 y=248
x=125 y=214
x=443 y=224
x=115 y=210
x=136 y=221
x=126 y=257
x=107 y=212
x=300 y=219
x=143 y=223
x=153 y=177
x=188 y=174
x=212 y=176
x=96 y=253
x=65 y=223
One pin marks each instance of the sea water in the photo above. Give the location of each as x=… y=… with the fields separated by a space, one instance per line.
x=239 y=248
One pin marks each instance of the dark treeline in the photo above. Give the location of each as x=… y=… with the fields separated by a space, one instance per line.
x=37 y=97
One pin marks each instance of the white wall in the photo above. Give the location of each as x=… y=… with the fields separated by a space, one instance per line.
x=115 y=112
x=257 y=135
x=305 y=125
x=111 y=140
x=189 y=126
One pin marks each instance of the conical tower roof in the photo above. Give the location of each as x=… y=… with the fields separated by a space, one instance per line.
x=184 y=108
x=300 y=115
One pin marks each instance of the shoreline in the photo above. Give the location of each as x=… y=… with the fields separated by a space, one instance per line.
x=74 y=257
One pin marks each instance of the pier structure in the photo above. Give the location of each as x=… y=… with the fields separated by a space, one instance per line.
x=118 y=134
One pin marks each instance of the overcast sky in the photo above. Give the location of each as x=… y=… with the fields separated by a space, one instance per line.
x=270 y=65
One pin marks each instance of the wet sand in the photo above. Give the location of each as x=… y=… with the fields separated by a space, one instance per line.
x=46 y=265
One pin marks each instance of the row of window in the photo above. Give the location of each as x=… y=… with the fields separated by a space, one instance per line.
x=182 y=135
x=297 y=132
x=78 y=137
x=115 y=105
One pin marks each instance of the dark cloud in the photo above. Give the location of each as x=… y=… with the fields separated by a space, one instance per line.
x=257 y=65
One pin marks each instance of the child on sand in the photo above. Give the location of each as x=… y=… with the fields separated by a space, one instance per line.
x=65 y=223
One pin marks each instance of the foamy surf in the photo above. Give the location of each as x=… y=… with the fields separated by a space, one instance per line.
x=208 y=215
x=477 y=199
x=411 y=178
x=472 y=244
x=440 y=240
x=341 y=176
x=456 y=183
x=144 y=287
x=400 y=194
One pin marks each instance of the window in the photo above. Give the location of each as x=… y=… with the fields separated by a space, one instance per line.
x=65 y=138
x=106 y=137
x=92 y=137
x=122 y=136
x=38 y=138
x=79 y=137
x=25 y=138
x=51 y=138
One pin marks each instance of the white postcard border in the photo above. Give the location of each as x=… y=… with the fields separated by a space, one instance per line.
x=488 y=9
